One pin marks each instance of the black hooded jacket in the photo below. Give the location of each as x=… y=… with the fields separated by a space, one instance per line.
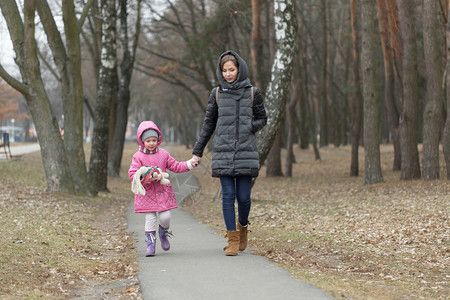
x=235 y=120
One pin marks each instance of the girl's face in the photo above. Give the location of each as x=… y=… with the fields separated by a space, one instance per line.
x=151 y=143
x=229 y=71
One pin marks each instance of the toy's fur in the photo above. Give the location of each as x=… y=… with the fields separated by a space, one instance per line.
x=144 y=171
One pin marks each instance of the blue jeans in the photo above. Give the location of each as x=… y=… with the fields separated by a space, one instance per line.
x=236 y=188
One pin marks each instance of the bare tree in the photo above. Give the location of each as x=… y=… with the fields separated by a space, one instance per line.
x=123 y=99
x=323 y=78
x=435 y=93
x=357 y=115
x=105 y=99
x=256 y=46
x=59 y=177
x=67 y=59
x=389 y=78
x=410 y=108
x=290 y=158
x=446 y=134
x=372 y=161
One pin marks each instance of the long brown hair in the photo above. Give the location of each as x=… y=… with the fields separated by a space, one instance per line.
x=226 y=58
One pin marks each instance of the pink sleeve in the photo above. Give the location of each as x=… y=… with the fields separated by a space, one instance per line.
x=134 y=166
x=176 y=166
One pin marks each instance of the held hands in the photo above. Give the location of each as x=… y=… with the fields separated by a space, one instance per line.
x=195 y=160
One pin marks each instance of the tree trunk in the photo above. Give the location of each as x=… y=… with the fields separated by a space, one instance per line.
x=126 y=67
x=372 y=161
x=389 y=81
x=53 y=154
x=302 y=90
x=410 y=108
x=273 y=161
x=357 y=116
x=74 y=103
x=255 y=46
x=323 y=79
x=446 y=134
x=106 y=92
x=290 y=159
x=435 y=93
x=278 y=88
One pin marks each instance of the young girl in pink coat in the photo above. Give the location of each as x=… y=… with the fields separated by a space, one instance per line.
x=158 y=199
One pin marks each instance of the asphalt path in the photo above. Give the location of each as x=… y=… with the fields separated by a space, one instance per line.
x=196 y=267
x=19 y=150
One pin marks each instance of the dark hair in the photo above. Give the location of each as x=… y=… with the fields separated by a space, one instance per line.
x=228 y=57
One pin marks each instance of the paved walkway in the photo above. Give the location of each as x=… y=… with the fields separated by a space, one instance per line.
x=20 y=150
x=196 y=267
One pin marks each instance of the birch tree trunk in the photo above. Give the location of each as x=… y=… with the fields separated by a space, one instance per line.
x=410 y=109
x=446 y=134
x=372 y=162
x=357 y=116
x=278 y=88
x=32 y=87
x=126 y=68
x=435 y=92
x=106 y=93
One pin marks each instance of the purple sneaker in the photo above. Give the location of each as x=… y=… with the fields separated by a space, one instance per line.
x=151 y=243
x=164 y=233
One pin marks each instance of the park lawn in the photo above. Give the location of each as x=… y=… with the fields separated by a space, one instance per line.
x=355 y=241
x=57 y=246
x=384 y=241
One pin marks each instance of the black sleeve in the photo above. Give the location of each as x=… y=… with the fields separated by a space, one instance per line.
x=259 y=112
x=209 y=125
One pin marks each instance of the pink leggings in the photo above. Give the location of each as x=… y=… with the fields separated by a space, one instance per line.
x=150 y=220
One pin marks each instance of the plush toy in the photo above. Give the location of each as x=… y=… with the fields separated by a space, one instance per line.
x=154 y=172
x=147 y=173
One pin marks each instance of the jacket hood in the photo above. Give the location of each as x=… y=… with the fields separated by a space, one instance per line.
x=241 y=81
x=143 y=127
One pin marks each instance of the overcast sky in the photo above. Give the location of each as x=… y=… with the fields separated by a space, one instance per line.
x=6 y=49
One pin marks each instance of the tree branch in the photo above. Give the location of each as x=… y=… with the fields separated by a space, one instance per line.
x=174 y=81
x=84 y=14
x=16 y=84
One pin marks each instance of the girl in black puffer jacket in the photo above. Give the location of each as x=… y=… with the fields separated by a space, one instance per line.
x=235 y=113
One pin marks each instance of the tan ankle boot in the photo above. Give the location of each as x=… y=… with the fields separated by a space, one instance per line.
x=233 y=243
x=243 y=231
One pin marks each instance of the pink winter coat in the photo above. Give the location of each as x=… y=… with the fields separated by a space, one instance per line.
x=157 y=197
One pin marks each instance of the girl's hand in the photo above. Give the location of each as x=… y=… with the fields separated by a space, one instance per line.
x=193 y=163
x=157 y=178
x=196 y=159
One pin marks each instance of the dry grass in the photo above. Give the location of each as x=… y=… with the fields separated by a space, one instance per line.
x=57 y=246
x=384 y=241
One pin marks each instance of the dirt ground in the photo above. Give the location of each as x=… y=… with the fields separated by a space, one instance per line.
x=385 y=241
